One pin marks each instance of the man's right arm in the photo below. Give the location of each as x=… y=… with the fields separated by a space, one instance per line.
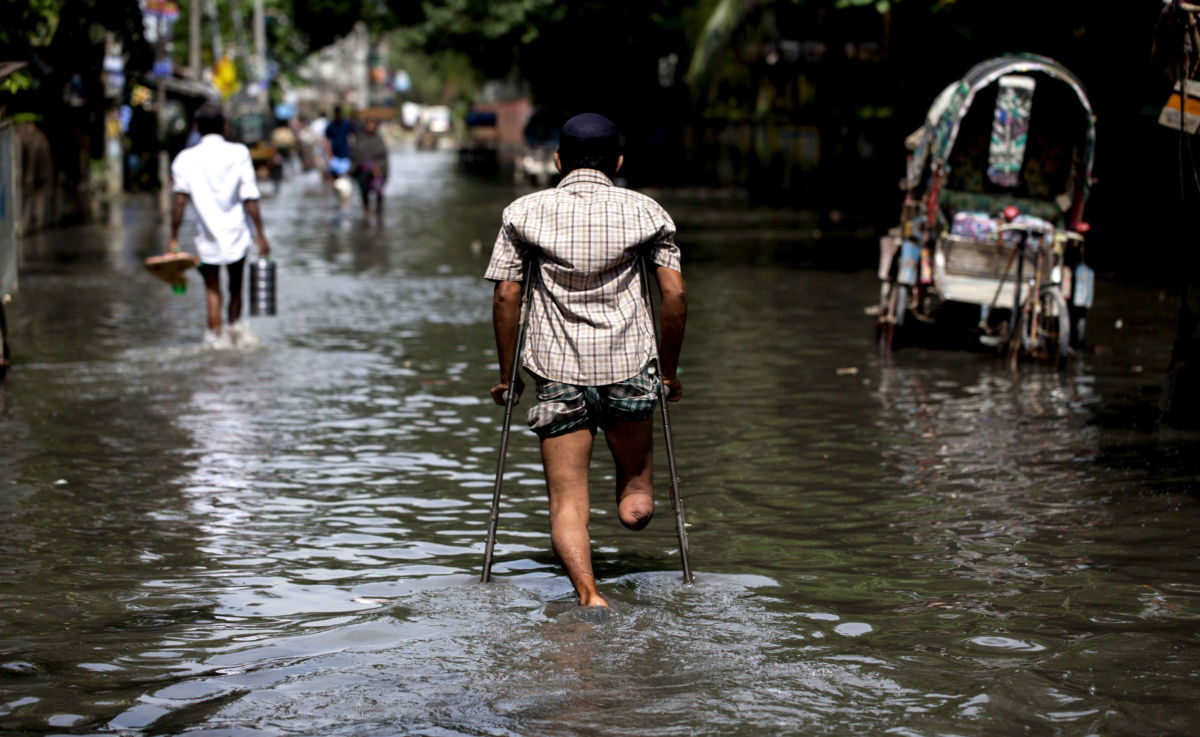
x=181 y=188
x=178 y=205
x=507 y=269
x=673 y=309
x=506 y=313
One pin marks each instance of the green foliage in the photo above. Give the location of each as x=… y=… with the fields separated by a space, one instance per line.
x=882 y=6
x=440 y=77
x=26 y=24
x=595 y=53
x=68 y=35
x=723 y=18
x=17 y=82
x=295 y=28
x=321 y=22
x=490 y=33
x=82 y=24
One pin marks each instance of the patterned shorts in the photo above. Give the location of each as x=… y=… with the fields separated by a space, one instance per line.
x=562 y=408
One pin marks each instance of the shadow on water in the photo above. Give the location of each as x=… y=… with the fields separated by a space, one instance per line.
x=287 y=539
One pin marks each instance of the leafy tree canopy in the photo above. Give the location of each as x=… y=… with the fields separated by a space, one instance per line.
x=57 y=26
x=324 y=21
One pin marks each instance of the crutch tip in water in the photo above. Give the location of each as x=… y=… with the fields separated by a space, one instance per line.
x=572 y=306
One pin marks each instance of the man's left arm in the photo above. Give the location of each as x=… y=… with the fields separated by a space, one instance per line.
x=664 y=256
x=248 y=191
x=251 y=207
x=673 y=308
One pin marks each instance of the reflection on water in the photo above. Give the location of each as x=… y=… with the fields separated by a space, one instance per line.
x=286 y=539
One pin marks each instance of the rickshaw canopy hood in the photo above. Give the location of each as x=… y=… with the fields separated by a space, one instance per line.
x=933 y=142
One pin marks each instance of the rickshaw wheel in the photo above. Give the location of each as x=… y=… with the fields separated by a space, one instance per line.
x=1052 y=343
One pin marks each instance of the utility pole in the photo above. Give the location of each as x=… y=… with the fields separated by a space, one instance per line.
x=239 y=32
x=114 y=71
x=362 y=66
x=214 y=21
x=194 y=12
x=160 y=98
x=260 y=51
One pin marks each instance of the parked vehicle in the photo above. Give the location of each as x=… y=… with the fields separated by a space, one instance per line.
x=991 y=234
x=535 y=165
x=480 y=152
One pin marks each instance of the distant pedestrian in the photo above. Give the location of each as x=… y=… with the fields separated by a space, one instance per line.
x=313 y=136
x=337 y=135
x=218 y=178
x=370 y=165
x=283 y=138
x=318 y=125
x=590 y=337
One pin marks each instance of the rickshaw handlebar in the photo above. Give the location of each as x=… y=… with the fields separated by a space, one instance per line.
x=1030 y=228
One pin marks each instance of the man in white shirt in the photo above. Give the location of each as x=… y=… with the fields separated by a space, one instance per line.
x=218 y=177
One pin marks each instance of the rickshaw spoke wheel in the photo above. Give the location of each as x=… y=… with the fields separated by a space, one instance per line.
x=1048 y=337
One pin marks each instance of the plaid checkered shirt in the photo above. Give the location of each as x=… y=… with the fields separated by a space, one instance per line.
x=588 y=323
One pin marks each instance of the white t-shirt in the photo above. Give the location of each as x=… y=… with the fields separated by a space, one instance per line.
x=218 y=176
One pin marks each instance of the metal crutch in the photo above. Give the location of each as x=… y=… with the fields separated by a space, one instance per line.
x=509 y=401
x=676 y=497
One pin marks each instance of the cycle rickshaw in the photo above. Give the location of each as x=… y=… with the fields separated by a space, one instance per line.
x=991 y=234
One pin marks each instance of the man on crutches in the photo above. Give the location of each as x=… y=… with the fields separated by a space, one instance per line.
x=590 y=337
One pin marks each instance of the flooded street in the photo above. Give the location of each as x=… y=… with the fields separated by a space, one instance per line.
x=287 y=539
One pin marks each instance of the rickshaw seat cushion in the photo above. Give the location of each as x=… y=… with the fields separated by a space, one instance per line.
x=981 y=226
x=993 y=204
x=975 y=224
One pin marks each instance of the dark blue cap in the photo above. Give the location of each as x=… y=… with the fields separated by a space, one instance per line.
x=588 y=133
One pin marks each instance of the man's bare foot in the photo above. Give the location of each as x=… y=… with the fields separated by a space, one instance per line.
x=593 y=600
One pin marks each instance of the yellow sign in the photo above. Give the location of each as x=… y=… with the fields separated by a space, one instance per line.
x=140 y=96
x=225 y=77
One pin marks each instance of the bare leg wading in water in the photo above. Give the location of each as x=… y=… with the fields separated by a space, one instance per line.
x=590 y=335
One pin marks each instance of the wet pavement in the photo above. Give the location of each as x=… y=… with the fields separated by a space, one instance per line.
x=286 y=539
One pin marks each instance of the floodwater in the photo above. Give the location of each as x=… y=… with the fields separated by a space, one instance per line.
x=287 y=539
